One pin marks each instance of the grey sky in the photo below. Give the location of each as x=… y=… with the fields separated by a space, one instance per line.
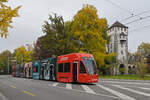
x=27 y=27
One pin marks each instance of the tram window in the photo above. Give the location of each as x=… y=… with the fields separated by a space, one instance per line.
x=33 y=69
x=36 y=69
x=21 y=70
x=82 y=68
x=67 y=67
x=60 y=67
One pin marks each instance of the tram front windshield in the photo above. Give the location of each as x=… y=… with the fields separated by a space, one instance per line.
x=90 y=65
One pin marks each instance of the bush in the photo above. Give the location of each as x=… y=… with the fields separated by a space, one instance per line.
x=142 y=69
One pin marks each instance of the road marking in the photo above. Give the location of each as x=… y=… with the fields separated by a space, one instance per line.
x=131 y=90
x=88 y=92
x=144 y=88
x=121 y=95
x=127 y=82
x=3 y=97
x=68 y=86
x=12 y=86
x=55 y=84
x=26 y=92
x=87 y=89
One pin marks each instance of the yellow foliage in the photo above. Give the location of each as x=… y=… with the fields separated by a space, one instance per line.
x=23 y=55
x=88 y=27
x=6 y=15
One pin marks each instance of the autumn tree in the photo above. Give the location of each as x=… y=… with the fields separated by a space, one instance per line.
x=88 y=28
x=142 y=68
x=6 y=15
x=23 y=54
x=144 y=51
x=30 y=51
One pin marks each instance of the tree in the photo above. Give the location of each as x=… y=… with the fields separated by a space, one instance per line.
x=142 y=69
x=6 y=15
x=141 y=63
x=88 y=28
x=39 y=52
x=85 y=33
x=4 y=59
x=144 y=50
x=56 y=40
x=23 y=55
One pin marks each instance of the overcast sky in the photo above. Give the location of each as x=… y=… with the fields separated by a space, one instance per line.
x=33 y=13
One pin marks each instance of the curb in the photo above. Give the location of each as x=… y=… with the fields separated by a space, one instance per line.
x=103 y=79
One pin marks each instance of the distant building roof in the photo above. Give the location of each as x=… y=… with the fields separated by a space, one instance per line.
x=117 y=24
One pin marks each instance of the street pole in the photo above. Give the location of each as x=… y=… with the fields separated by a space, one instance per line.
x=8 y=64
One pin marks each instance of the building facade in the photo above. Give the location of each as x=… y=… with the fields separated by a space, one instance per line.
x=119 y=44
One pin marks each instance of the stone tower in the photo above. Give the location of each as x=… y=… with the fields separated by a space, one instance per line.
x=119 y=44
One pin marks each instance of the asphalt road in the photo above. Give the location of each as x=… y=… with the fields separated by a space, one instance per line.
x=28 y=89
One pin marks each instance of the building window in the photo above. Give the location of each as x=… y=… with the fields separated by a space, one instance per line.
x=118 y=28
x=124 y=29
x=121 y=52
x=60 y=67
x=67 y=68
x=123 y=36
x=121 y=44
x=82 y=68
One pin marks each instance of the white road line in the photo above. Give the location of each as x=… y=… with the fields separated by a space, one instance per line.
x=68 y=86
x=144 y=88
x=3 y=97
x=89 y=93
x=87 y=89
x=131 y=90
x=127 y=82
x=55 y=84
x=121 y=95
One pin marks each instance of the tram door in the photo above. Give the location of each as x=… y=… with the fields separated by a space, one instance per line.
x=46 y=72
x=52 y=72
x=42 y=72
x=27 y=70
x=75 y=71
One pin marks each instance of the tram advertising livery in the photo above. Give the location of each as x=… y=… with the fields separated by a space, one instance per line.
x=13 y=70
x=49 y=66
x=75 y=67
x=36 y=70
